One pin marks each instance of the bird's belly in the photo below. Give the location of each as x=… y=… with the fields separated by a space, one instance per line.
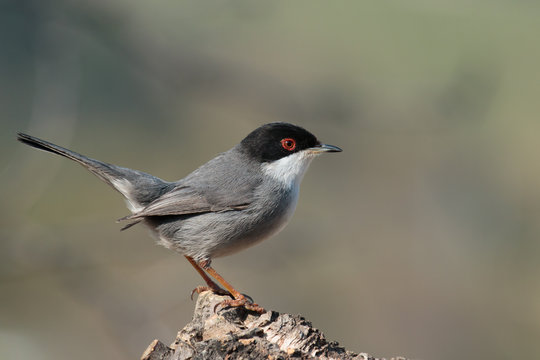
x=257 y=228
x=259 y=233
x=213 y=235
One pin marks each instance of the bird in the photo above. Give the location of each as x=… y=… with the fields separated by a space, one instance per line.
x=237 y=199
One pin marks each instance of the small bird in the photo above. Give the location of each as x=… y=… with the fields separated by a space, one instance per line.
x=235 y=200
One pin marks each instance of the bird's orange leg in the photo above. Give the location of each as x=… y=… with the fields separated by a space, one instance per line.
x=239 y=299
x=212 y=286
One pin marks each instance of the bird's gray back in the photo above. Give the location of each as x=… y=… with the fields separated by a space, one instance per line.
x=229 y=178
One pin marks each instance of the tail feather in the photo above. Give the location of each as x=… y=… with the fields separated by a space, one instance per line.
x=98 y=168
x=125 y=227
x=137 y=187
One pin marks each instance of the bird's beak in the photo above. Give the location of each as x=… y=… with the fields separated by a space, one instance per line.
x=322 y=148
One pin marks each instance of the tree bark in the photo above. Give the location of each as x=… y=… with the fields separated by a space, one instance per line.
x=235 y=333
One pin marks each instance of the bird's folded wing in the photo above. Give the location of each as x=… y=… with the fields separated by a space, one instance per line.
x=184 y=200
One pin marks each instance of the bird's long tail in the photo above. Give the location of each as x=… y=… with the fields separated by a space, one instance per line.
x=138 y=188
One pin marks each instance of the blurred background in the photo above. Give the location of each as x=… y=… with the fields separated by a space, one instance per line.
x=421 y=239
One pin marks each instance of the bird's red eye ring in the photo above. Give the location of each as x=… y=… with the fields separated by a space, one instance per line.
x=288 y=144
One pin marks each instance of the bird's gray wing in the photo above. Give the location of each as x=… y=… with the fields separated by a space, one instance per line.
x=227 y=182
x=184 y=200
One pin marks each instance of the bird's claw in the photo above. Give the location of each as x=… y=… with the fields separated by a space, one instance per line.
x=240 y=302
x=215 y=290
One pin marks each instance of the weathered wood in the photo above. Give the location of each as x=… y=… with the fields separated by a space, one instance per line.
x=236 y=333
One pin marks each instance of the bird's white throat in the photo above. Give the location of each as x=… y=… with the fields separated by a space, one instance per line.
x=291 y=169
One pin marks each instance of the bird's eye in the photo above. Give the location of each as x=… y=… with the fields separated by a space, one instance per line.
x=288 y=144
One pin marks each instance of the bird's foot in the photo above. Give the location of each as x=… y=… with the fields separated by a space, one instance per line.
x=215 y=289
x=242 y=301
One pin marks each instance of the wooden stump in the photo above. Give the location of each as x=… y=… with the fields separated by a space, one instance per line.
x=235 y=333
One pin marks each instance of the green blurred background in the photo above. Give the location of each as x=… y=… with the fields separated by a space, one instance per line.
x=420 y=239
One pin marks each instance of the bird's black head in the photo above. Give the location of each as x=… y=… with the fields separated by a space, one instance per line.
x=274 y=141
